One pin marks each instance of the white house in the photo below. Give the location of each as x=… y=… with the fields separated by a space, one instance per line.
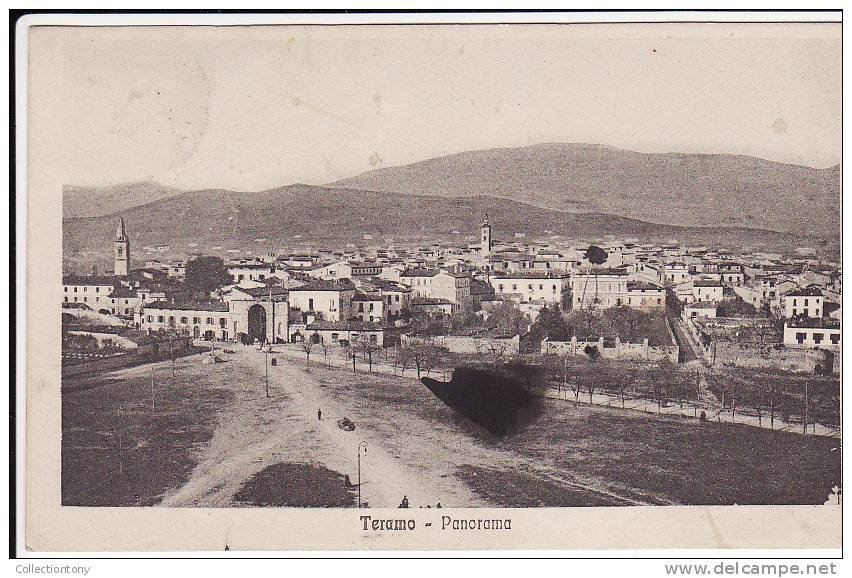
x=813 y=333
x=329 y=300
x=807 y=302
x=707 y=290
x=530 y=286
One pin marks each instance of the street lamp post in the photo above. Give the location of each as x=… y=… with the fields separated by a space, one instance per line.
x=360 y=445
x=266 y=368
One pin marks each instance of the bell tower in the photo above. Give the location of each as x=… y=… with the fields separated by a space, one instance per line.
x=122 y=250
x=485 y=236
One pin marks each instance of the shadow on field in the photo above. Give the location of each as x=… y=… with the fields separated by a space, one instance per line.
x=492 y=398
x=296 y=485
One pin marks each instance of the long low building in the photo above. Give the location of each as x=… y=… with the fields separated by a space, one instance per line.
x=814 y=333
x=530 y=286
x=201 y=319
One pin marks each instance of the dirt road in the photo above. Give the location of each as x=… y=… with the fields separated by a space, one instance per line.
x=260 y=432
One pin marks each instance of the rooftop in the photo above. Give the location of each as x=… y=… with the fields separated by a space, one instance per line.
x=805 y=292
x=101 y=280
x=188 y=305
x=355 y=325
x=326 y=285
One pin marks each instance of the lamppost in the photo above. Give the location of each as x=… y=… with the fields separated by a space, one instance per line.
x=266 y=368
x=360 y=445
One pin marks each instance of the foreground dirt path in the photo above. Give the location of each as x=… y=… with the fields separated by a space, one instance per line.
x=257 y=432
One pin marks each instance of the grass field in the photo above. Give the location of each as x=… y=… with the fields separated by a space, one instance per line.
x=296 y=485
x=643 y=457
x=215 y=439
x=116 y=450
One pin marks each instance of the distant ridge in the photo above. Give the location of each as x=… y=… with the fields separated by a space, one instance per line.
x=97 y=201
x=336 y=216
x=717 y=190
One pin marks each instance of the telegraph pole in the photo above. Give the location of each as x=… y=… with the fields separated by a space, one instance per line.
x=266 y=367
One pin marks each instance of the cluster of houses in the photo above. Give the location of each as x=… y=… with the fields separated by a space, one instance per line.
x=338 y=296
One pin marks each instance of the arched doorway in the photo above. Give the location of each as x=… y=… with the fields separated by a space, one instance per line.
x=257 y=322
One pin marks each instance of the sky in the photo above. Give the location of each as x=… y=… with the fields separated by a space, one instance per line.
x=253 y=108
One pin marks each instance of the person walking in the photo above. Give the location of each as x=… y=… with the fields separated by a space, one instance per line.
x=404 y=503
x=319 y=414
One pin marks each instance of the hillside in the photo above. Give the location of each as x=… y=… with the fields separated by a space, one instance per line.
x=99 y=201
x=334 y=217
x=673 y=188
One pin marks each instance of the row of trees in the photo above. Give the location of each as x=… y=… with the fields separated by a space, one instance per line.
x=625 y=322
x=504 y=319
x=420 y=355
x=663 y=382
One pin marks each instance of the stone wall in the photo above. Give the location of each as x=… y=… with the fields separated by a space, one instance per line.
x=616 y=349
x=144 y=353
x=723 y=352
x=463 y=344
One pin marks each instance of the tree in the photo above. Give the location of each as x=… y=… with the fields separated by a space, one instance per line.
x=403 y=358
x=368 y=347
x=663 y=377
x=325 y=348
x=464 y=319
x=507 y=320
x=423 y=354
x=599 y=374
x=496 y=349
x=550 y=324
x=434 y=358
x=350 y=353
x=205 y=274
x=307 y=345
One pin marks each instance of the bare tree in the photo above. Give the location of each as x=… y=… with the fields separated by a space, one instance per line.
x=496 y=349
x=422 y=354
x=325 y=350
x=307 y=346
x=403 y=358
x=368 y=347
x=433 y=358
x=350 y=353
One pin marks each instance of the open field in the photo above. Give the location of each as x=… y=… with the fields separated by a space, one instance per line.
x=217 y=440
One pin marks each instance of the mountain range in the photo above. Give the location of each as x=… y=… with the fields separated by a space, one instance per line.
x=715 y=190
x=576 y=191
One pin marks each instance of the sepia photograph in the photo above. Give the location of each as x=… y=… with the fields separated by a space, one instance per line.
x=478 y=268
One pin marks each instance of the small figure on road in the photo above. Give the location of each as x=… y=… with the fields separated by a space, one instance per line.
x=319 y=414
x=438 y=505
x=404 y=502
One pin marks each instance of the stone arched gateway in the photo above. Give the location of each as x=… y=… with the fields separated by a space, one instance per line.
x=257 y=322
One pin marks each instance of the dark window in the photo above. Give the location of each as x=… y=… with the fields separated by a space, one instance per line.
x=800 y=337
x=835 y=338
x=818 y=337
